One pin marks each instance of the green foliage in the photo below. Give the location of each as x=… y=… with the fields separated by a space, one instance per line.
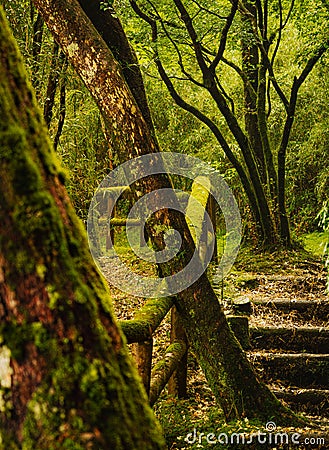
x=305 y=29
x=323 y=217
x=105 y=5
x=307 y=165
x=82 y=147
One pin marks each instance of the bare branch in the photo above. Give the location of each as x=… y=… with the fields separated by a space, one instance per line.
x=311 y=63
x=292 y=4
x=202 y=8
x=186 y=18
x=223 y=38
x=152 y=21
x=225 y=94
x=272 y=77
x=180 y=58
x=278 y=41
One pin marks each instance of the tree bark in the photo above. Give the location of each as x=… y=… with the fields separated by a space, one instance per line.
x=250 y=66
x=110 y=29
x=51 y=86
x=228 y=371
x=72 y=382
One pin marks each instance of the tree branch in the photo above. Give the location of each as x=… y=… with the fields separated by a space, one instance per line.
x=186 y=18
x=223 y=38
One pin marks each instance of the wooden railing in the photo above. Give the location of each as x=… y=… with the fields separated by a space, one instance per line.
x=172 y=367
x=139 y=331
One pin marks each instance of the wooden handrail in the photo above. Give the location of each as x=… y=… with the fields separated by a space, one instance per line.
x=146 y=320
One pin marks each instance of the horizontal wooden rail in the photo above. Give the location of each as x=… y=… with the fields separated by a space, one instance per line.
x=146 y=320
x=119 y=222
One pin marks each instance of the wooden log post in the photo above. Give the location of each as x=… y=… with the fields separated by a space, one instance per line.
x=142 y=354
x=177 y=386
x=110 y=229
x=211 y=208
x=164 y=368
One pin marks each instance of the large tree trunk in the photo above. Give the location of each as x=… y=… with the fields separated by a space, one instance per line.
x=228 y=371
x=70 y=382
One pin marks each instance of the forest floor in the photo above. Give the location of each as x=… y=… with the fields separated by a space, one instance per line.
x=293 y=276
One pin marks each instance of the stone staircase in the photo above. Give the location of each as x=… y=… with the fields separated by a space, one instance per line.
x=288 y=334
x=291 y=353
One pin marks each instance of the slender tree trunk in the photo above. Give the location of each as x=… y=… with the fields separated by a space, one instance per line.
x=72 y=382
x=38 y=26
x=253 y=65
x=51 y=86
x=228 y=371
x=250 y=66
x=62 y=101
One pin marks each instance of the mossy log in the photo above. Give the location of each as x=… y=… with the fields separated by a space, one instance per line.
x=163 y=370
x=299 y=369
x=72 y=382
x=146 y=320
x=119 y=222
x=308 y=339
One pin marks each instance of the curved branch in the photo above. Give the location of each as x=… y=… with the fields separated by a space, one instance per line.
x=217 y=133
x=223 y=38
x=225 y=94
x=311 y=63
x=272 y=77
x=292 y=4
x=202 y=8
x=186 y=18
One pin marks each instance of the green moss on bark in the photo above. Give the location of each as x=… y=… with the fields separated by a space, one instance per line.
x=73 y=383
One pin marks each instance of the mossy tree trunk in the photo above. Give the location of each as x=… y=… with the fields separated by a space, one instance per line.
x=227 y=369
x=70 y=381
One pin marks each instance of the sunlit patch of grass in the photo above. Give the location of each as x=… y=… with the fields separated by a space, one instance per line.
x=315 y=243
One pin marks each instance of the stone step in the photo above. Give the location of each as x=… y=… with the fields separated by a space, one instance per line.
x=302 y=339
x=311 y=308
x=305 y=370
x=311 y=401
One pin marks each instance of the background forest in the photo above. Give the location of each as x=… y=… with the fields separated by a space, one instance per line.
x=76 y=126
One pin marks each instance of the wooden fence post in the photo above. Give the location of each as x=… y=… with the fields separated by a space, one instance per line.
x=142 y=353
x=211 y=207
x=177 y=385
x=109 y=229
